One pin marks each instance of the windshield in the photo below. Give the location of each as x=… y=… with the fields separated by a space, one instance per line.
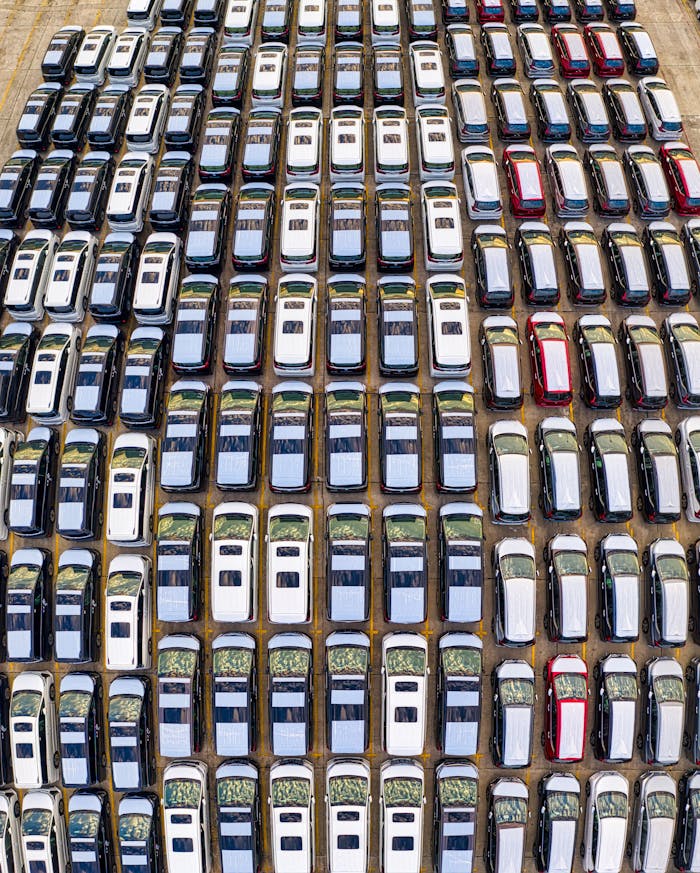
x=236 y=791
x=517 y=567
x=612 y=804
x=233 y=526
x=661 y=804
x=347 y=791
x=570 y=686
x=403 y=791
x=571 y=564
x=621 y=686
x=511 y=810
x=457 y=791
x=672 y=568
x=461 y=661
x=623 y=564
x=405 y=662
x=563 y=805
x=291 y=792
x=182 y=794
x=351 y=660
x=669 y=689
x=232 y=662
x=290 y=662
x=517 y=692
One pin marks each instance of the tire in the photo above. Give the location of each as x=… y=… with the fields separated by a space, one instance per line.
x=52 y=692
x=591 y=504
x=61 y=806
x=634 y=438
x=640 y=742
x=596 y=672
x=645 y=625
x=677 y=437
x=588 y=791
x=640 y=503
x=637 y=788
x=684 y=501
x=597 y=621
x=17 y=809
x=643 y=676
x=596 y=553
x=52 y=515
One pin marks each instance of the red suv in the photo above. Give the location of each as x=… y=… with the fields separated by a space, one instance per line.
x=566 y=708
x=683 y=177
x=524 y=177
x=549 y=357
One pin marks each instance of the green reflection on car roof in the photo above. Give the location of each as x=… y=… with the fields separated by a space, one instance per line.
x=23 y=577
x=36 y=822
x=25 y=704
x=128 y=457
x=405 y=661
x=290 y=662
x=83 y=825
x=405 y=528
x=347 y=791
x=231 y=661
x=351 y=660
x=235 y=791
x=238 y=399
x=134 y=827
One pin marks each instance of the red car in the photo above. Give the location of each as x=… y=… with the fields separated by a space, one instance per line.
x=549 y=357
x=522 y=171
x=490 y=10
x=683 y=177
x=570 y=50
x=605 y=50
x=566 y=708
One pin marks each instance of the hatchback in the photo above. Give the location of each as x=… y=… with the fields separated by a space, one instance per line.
x=387 y=75
x=566 y=708
x=47 y=205
x=61 y=52
x=557 y=827
x=348 y=85
x=470 y=111
x=461 y=51
x=536 y=257
x=524 y=179
x=625 y=110
x=668 y=594
x=184 y=121
x=682 y=335
x=650 y=194
x=481 y=185
x=499 y=340
x=551 y=114
x=511 y=117
x=491 y=253
x=535 y=50
x=507 y=821
x=498 y=50
x=669 y=270
x=109 y=117
x=559 y=469
x=513 y=683
x=565 y=171
x=307 y=75
x=570 y=49
x=605 y=827
x=627 y=263
x=638 y=48
x=663 y=687
x=582 y=255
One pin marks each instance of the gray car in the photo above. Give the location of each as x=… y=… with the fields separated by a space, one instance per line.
x=346 y=436
x=348 y=570
x=290 y=694
x=347 y=692
x=405 y=554
x=459 y=693
x=398 y=326
x=180 y=696
x=183 y=447
x=238 y=435
x=400 y=437
x=291 y=436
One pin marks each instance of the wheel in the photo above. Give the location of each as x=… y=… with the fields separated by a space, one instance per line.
x=52 y=515
x=586 y=439
x=545 y=555
x=640 y=741
x=52 y=692
x=643 y=675
x=640 y=503
x=628 y=393
x=581 y=850
x=645 y=625
x=637 y=789
x=628 y=850
x=596 y=553
x=684 y=501
x=588 y=789
x=591 y=504
x=592 y=738
x=103 y=761
x=645 y=559
x=672 y=392
x=634 y=438
x=596 y=672
x=597 y=621
x=544 y=672
x=17 y=809
x=100 y=692
x=689 y=673
x=677 y=437
x=542 y=739
x=61 y=805
x=150 y=524
x=150 y=646
x=686 y=740
x=545 y=622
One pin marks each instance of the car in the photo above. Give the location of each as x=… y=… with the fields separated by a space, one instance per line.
x=180 y=685
x=76 y=612
x=71 y=276
x=260 y=144
x=253 y=223
x=90 y=65
x=422 y=22
x=10 y=828
x=659 y=474
x=405 y=562
x=347 y=692
x=644 y=359
x=347 y=226
x=109 y=116
x=385 y=22
x=27 y=597
x=290 y=694
x=446 y=302
x=404 y=693
x=70 y=123
x=178 y=554
x=507 y=800
x=240 y=20
x=514 y=592
x=219 y=144
x=511 y=117
x=307 y=75
x=551 y=116
x=460 y=44
x=387 y=75
x=184 y=119
x=627 y=263
x=557 y=825
x=8 y=246
x=455 y=808
x=87 y=200
x=230 y=78
x=454 y=436
x=565 y=171
x=559 y=469
x=691 y=239
x=33 y=730
x=234 y=554
x=47 y=205
x=397 y=312
x=33 y=483
x=143 y=13
x=535 y=49
x=614 y=735
x=624 y=108
x=661 y=109
x=348 y=800
x=570 y=49
x=234 y=694
x=163 y=56
x=245 y=324
x=589 y=10
x=90 y=830
x=490 y=10
x=346 y=153
x=128 y=620
x=269 y=72
x=481 y=186
x=513 y=682
x=292 y=808
x=668 y=593
x=683 y=177
x=17 y=178
x=611 y=499
x=80 y=730
x=195 y=324
x=664 y=711
x=346 y=436
x=671 y=283
x=81 y=484
x=348 y=561
x=691 y=735
x=523 y=10
x=300 y=227
x=536 y=257
x=461 y=562
x=207 y=228
x=43 y=830
x=237 y=436
x=391 y=151
x=650 y=195
x=509 y=467
x=237 y=794
x=346 y=329
x=129 y=726
x=590 y=115
x=640 y=54
x=653 y=821
x=170 y=202
x=549 y=356
x=17 y=343
x=147 y=119
x=311 y=23
x=605 y=827
x=607 y=179
x=471 y=120
x=36 y=120
x=400 y=438
x=556 y=10
x=565 y=709
x=584 y=263
x=183 y=449
x=459 y=693
x=491 y=253
x=598 y=367
x=499 y=340
x=130 y=192
x=198 y=55
x=61 y=52
x=138 y=830
x=131 y=486
x=686 y=826
x=687 y=440
x=112 y=284
x=498 y=49
x=290 y=576
x=291 y=437
x=141 y=402
x=401 y=784
x=156 y=283
x=524 y=179
x=394 y=227
x=186 y=834
x=348 y=21
x=605 y=50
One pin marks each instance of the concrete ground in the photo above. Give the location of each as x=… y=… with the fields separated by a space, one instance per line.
x=25 y=30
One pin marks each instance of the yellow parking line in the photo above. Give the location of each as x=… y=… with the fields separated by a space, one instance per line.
x=27 y=43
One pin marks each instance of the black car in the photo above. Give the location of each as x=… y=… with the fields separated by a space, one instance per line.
x=50 y=194
x=176 y=13
x=348 y=77
x=627 y=265
x=640 y=62
x=461 y=62
x=80 y=730
x=80 y=485
x=138 y=834
x=670 y=276
x=5 y=745
x=691 y=238
x=76 y=612
x=253 y=223
x=113 y=282
x=307 y=75
x=600 y=382
x=130 y=731
x=178 y=562
x=109 y=118
x=163 y=56
x=498 y=61
x=556 y=11
x=16 y=181
x=33 y=483
x=609 y=196
x=691 y=740
x=195 y=325
x=207 y=13
x=198 y=56
x=557 y=823
x=57 y=63
x=228 y=86
x=584 y=267
x=260 y=146
x=644 y=360
x=184 y=121
x=658 y=470
x=90 y=840
x=539 y=286
x=591 y=124
x=208 y=227
x=27 y=606
x=37 y=117
x=170 y=200
x=17 y=345
x=552 y=125
x=624 y=129
x=588 y=10
x=620 y=10
x=238 y=436
x=219 y=142
x=246 y=317
x=615 y=703
x=70 y=124
x=8 y=246
x=687 y=832
x=145 y=370
x=97 y=376
x=87 y=200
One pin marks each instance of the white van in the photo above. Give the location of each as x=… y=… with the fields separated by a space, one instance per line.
x=128 y=613
x=239 y=22
x=130 y=491
x=391 y=151
x=347 y=144
x=29 y=276
x=269 y=75
x=427 y=76
x=386 y=22
x=33 y=730
x=147 y=119
x=295 y=325
x=131 y=192
x=299 y=236
x=71 y=276
x=448 y=315
x=442 y=226
x=304 y=144
x=436 y=157
x=50 y=394
x=157 y=279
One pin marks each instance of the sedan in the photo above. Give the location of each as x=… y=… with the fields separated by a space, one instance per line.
x=571 y=51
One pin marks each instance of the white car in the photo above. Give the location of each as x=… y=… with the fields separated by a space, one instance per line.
x=509 y=462
x=443 y=246
x=427 y=76
x=131 y=490
x=71 y=277
x=401 y=802
x=436 y=157
x=565 y=171
x=404 y=693
x=9 y=439
x=292 y=806
x=448 y=314
x=304 y=144
x=605 y=830
x=128 y=613
x=128 y=57
x=143 y=13
x=515 y=588
x=268 y=83
x=311 y=22
x=130 y=193
x=157 y=279
x=239 y=22
x=186 y=817
x=33 y=730
x=50 y=394
x=295 y=325
x=661 y=108
x=300 y=224
x=29 y=275
x=90 y=65
x=348 y=802
x=346 y=159
x=43 y=832
x=391 y=149
x=11 y=859
x=653 y=822
x=289 y=541
x=234 y=562
x=481 y=186
x=146 y=123
x=688 y=440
